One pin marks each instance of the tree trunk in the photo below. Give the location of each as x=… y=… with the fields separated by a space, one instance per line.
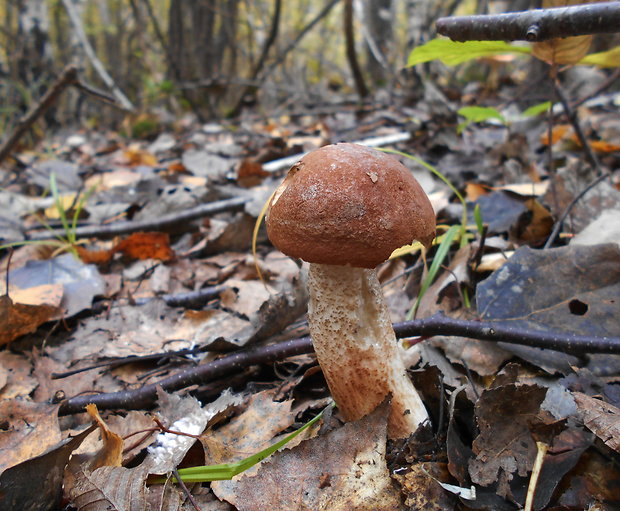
x=378 y=19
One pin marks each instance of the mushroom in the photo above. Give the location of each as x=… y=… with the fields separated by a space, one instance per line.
x=344 y=208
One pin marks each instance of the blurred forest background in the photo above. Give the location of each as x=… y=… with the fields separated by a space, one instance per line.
x=214 y=58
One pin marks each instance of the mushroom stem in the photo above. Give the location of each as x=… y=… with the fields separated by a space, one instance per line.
x=356 y=347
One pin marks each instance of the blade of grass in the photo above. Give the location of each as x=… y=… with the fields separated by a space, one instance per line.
x=440 y=255
x=229 y=470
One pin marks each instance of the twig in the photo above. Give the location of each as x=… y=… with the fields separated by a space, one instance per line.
x=90 y=53
x=67 y=77
x=155 y=224
x=535 y=25
x=188 y=494
x=572 y=117
x=438 y=324
x=560 y=221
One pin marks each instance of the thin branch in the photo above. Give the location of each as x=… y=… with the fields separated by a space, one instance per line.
x=572 y=117
x=156 y=224
x=535 y=25
x=438 y=324
x=90 y=53
x=578 y=197
x=67 y=77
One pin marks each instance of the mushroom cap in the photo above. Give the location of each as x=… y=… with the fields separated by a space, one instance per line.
x=348 y=204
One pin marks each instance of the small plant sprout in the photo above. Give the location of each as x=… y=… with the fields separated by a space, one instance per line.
x=344 y=208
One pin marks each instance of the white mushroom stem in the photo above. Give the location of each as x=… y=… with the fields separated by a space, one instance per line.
x=356 y=347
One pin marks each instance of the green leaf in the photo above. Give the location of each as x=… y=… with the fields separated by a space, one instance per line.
x=481 y=113
x=478 y=219
x=535 y=110
x=609 y=58
x=452 y=53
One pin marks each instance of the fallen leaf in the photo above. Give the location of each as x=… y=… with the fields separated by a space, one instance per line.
x=567 y=50
x=36 y=484
x=601 y=418
x=571 y=289
x=505 y=448
x=28 y=430
x=342 y=470
x=17 y=319
x=146 y=245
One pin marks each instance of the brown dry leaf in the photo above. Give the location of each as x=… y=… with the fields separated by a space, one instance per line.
x=108 y=488
x=505 y=447
x=250 y=173
x=28 y=430
x=535 y=226
x=135 y=155
x=249 y=432
x=36 y=484
x=600 y=146
x=601 y=418
x=111 y=454
x=146 y=245
x=45 y=294
x=91 y=256
x=17 y=319
x=473 y=191
x=568 y=50
x=17 y=378
x=343 y=470
x=558 y=132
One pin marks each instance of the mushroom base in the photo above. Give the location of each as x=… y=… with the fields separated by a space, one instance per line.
x=356 y=347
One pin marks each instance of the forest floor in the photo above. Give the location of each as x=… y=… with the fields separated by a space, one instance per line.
x=143 y=280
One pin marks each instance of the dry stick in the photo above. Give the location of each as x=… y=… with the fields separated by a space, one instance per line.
x=67 y=77
x=535 y=25
x=90 y=53
x=438 y=324
x=156 y=224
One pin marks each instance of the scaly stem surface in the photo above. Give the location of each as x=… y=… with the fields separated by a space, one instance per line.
x=356 y=347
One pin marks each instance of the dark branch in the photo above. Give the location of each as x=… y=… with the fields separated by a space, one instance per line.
x=162 y=223
x=438 y=324
x=67 y=78
x=535 y=25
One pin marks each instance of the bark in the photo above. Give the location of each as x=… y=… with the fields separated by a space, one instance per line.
x=535 y=26
x=349 y=33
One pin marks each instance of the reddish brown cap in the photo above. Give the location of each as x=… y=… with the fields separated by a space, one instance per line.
x=348 y=204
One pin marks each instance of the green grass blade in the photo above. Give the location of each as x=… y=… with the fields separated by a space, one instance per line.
x=440 y=255
x=229 y=470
